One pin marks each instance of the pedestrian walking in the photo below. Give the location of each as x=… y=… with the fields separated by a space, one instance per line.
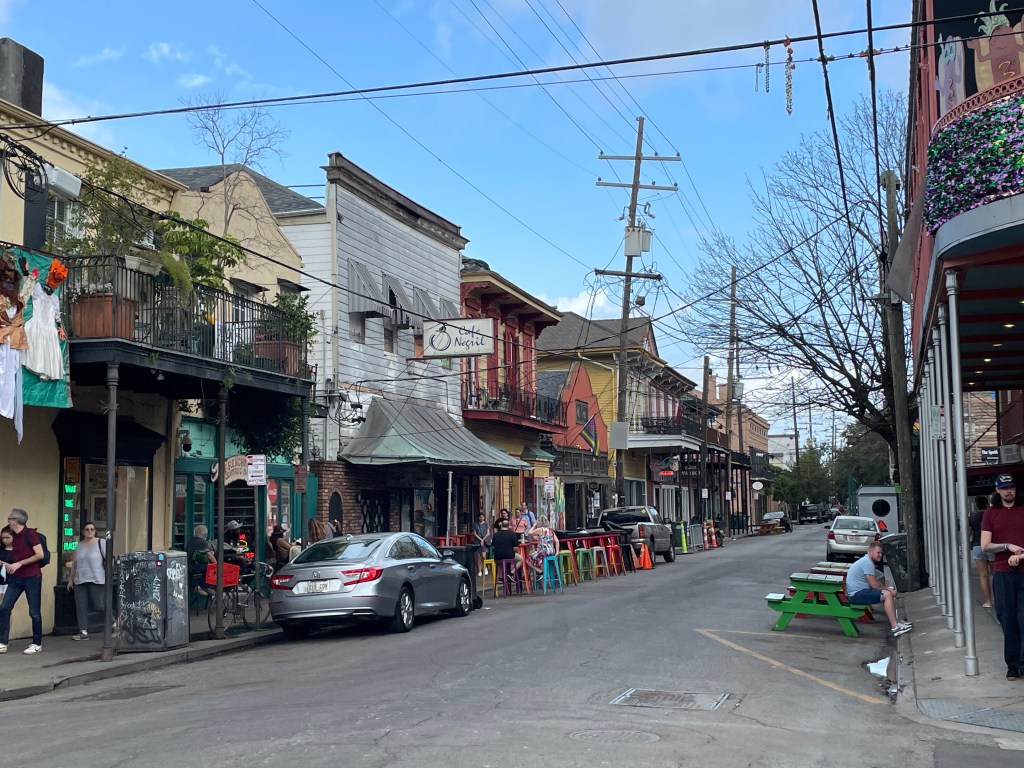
x=88 y=577
x=24 y=576
x=6 y=556
x=1002 y=534
x=981 y=558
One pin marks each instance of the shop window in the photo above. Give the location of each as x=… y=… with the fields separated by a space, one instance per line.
x=357 y=327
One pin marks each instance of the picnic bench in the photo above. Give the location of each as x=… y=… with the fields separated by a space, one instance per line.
x=815 y=595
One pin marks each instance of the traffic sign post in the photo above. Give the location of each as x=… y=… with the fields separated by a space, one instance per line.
x=256 y=469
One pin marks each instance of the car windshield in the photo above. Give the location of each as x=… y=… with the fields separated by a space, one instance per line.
x=854 y=523
x=626 y=516
x=338 y=549
x=773 y=516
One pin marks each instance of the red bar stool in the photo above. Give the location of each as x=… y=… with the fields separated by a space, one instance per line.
x=508 y=575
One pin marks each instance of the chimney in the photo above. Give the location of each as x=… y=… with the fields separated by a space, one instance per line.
x=21 y=76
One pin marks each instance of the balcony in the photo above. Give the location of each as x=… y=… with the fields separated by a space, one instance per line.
x=665 y=425
x=504 y=400
x=154 y=323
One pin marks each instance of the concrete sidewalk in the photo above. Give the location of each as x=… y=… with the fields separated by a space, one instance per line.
x=933 y=670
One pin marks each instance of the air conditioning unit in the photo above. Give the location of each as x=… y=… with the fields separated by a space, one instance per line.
x=1009 y=454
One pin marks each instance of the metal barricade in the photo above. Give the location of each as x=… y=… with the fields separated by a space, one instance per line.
x=696 y=537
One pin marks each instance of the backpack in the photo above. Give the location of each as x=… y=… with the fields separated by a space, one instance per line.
x=46 y=549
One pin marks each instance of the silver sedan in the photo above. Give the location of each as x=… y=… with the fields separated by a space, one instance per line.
x=392 y=576
x=850 y=536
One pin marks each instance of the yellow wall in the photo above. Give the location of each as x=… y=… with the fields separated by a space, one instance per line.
x=67 y=151
x=29 y=480
x=252 y=224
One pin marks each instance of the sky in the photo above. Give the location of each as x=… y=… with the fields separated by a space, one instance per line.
x=514 y=164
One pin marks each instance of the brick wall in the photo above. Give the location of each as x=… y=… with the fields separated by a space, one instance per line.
x=347 y=480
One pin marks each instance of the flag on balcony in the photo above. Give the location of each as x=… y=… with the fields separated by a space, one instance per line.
x=589 y=433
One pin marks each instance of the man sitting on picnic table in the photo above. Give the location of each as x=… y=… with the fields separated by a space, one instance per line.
x=863 y=587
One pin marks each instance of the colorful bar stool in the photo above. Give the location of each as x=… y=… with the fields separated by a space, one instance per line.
x=567 y=563
x=552 y=573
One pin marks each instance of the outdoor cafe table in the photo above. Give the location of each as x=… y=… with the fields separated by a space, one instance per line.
x=830 y=569
x=815 y=595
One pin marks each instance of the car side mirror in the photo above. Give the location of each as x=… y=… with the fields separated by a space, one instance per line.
x=448 y=554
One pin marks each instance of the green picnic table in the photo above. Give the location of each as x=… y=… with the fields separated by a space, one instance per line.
x=815 y=595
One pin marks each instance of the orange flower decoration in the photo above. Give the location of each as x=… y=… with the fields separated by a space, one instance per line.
x=56 y=274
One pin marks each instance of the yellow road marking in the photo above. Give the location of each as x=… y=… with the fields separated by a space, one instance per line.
x=793 y=670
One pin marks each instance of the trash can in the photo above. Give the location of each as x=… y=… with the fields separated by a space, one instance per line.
x=151 y=598
x=466 y=556
x=678 y=533
x=894 y=547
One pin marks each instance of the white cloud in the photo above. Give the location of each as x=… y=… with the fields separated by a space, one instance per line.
x=219 y=57
x=234 y=69
x=59 y=104
x=194 y=81
x=107 y=54
x=585 y=303
x=158 y=52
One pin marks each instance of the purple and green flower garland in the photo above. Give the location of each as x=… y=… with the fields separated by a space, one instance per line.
x=976 y=160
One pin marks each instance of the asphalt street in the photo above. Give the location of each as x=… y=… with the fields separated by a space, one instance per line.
x=676 y=666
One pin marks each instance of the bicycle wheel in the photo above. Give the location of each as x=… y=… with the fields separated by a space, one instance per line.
x=229 y=612
x=249 y=604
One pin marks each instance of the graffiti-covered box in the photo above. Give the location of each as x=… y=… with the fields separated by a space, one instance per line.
x=151 y=601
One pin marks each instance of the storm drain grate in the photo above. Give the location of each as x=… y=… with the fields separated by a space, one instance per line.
x=614 y=737
x=698 y=702
x=122 y=694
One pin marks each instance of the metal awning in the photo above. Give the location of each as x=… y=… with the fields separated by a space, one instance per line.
x=365 y=295
x=403 y=305
x=407 y=433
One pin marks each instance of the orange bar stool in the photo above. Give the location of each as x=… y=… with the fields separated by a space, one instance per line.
x=616 y=564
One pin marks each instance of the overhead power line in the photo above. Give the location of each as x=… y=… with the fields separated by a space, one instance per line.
x=280 y=100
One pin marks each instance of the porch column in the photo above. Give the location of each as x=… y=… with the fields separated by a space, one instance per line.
x=948 y=497
x=222 y=418
x=957 y=419
x=928 y=483
x=107 y=652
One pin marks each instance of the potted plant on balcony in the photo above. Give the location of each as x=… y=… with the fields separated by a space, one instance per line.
x=281 y=339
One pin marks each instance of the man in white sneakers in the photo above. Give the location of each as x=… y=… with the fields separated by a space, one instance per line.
x=23 y=575
x=863 y=587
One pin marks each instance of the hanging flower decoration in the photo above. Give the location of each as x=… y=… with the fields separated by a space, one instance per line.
x=975 y=160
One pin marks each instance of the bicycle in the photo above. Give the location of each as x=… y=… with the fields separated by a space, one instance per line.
x=247 y=602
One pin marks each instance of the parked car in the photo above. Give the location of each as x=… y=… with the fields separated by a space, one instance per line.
x=809 y=513
x=849 y=536
x=780 y=516
x=644 y=525
x=390 y=577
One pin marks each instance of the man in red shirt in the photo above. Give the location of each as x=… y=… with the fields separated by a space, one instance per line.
x=23 y=575
x=1002 y=533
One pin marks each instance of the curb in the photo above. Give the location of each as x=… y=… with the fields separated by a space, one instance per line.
x=164 y=659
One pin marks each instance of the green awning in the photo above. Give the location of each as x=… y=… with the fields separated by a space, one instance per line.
x=537 y=454
x=406 y=433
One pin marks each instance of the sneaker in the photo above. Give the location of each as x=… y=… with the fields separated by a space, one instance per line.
x=80 y=636
x=901 y=629
x=34 y=648
x=479 y=573
x=1012 y=674
x=3 y=648
x=487 y=571
x=905 y=624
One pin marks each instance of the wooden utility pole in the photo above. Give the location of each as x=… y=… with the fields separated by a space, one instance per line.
x=729 y=494
x=895 y=347
x=796 y=429
x=634 y=246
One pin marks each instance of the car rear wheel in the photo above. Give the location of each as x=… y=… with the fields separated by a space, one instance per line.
x=405 y=614
x=650 y=549
x=670 y=554
x=463 y=600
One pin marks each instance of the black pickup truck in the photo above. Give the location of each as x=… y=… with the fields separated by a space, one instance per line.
x=810 y=513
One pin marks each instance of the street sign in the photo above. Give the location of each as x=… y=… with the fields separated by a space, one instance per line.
x=990 y=455
x=256 y=469
x=757 y=485
x=549 y=486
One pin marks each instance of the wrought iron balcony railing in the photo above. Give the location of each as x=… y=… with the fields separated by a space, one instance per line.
x=102 y=298
x=515 y=402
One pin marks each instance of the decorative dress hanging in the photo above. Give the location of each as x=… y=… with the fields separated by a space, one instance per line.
x=44 y=355
x=12 y=341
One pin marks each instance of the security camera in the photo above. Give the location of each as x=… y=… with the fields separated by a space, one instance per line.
x=186 y=440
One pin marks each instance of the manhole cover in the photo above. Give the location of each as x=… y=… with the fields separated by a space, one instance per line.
x=616 y=737
x=701 y=702
x=122 y=694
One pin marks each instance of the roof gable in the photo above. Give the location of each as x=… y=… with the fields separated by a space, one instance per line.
x=281 y=200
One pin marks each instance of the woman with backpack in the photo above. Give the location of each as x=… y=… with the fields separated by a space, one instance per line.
x=87 y=577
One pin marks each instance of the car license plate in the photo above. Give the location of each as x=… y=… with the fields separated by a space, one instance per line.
x=316 y=587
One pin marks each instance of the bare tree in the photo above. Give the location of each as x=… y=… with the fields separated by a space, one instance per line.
x=245 y=137
x=809 y=273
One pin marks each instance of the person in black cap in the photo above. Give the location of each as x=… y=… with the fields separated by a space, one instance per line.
x=1002 y=533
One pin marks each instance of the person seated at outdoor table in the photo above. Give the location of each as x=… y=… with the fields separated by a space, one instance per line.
x=863 y=587
x=199 y=554
x=505 y=544
x=281 y=545
x=547 y=544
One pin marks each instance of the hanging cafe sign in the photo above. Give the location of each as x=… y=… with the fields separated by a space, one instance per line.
x=464 y=337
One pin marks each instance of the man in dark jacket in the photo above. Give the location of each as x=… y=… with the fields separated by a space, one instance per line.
x=505 y=546
x=23 y=575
